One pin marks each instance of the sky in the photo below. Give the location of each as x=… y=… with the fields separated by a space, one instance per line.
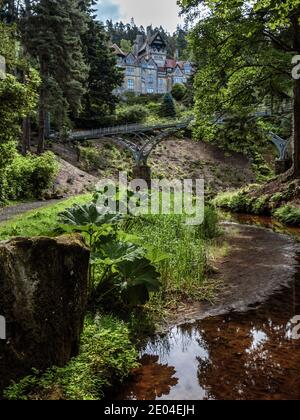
x=144 y=12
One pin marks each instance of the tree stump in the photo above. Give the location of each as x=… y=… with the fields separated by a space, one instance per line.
x=44 y=291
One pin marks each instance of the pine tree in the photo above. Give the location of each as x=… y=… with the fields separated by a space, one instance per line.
x=104 y=76
x=52 y=34
x=168 y=109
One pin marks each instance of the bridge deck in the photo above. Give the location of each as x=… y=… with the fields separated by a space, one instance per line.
x=125 y=129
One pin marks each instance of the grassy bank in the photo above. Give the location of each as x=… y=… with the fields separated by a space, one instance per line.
x=278 y=200
x=40 y=222
x=108 y=348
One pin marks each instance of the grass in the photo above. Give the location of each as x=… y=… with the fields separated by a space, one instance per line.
x=107 y=356
x=40 y=222
x=107 y=353
x=183 y=273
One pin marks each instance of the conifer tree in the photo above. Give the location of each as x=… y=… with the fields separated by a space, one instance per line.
x=168 y=109
x=52 y=34
x=103 y=77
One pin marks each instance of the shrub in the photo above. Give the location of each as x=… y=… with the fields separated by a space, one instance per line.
x=289 y=215
x=179 y=91
x=106 y=357
x=29 y=176
x=131 y=115
x=168 y=109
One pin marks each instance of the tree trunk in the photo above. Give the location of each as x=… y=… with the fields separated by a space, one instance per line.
x=25 y=135
x=296 y=127
x=42 y=107
x=42 y=117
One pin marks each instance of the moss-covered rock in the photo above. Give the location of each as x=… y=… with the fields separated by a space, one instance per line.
x=44 y=287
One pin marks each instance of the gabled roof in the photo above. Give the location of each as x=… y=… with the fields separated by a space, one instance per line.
x=151 y=41
x=170 y=63
x=117 y=50
x=132 y=56
x=156 y=35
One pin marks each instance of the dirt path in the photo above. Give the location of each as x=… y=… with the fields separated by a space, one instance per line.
x=10 y=212
x=260 y=262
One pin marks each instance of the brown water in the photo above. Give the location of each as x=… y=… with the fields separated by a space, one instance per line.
x=240 y=355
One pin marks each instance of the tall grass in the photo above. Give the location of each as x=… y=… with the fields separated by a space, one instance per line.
x=183 y=272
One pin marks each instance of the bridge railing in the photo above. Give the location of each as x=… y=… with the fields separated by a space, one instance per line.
x=125 y=129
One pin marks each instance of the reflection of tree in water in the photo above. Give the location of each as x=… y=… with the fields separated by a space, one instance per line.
x=251 y=356
x=151 y=381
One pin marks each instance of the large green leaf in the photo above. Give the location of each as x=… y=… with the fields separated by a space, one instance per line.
x=113 y=252
x=139 y=272
x=88 y=215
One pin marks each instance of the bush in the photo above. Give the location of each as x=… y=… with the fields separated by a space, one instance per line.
x=179 y=91
x=131 y=115
x=130 y=98
x=289 y=215
x=106 y=357
x=25 y=177
x=168 y=109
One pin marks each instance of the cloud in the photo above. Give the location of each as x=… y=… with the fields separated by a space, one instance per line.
x=144 y=12
x=108 y=9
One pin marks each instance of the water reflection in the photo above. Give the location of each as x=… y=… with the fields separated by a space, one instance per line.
x=238 y=356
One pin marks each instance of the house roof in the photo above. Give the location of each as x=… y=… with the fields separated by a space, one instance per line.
x=171 y=63
x=149 y=41
x=117 y=50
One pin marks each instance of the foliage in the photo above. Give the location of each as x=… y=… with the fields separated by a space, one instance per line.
x=106 y=358
x=167 y=109
x=120 y=271
x=131 y=98
x=18 y=98
x=40 y=222
x=289 y=215
x=103 y=77
x=242 y=51
x=126 y=46
x=130 y=115
x=183 y=272
x=179 y=91
x=90 y=219
x=24 y=177
x=59 y=53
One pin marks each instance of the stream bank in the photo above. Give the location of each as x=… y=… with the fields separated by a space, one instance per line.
x=240 y=347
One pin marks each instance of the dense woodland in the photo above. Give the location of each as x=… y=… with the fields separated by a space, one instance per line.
x=147 y=272
x=124 y=35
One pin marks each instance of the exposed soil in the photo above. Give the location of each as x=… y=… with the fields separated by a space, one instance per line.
x=72 y=180
x=174 y=158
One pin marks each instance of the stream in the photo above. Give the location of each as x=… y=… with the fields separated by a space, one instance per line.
x=243 y=347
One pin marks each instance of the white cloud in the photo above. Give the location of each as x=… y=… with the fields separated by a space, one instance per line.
x=144 y=12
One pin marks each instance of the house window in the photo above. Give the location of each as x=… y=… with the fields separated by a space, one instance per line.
x=187 y=69
x=130 y=84
x=150 y=79
x=161 y=85
x=129 y=71
x=150 y=89
x=178 y=80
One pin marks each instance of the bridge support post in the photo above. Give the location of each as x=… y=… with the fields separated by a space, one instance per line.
x=142 y=172
x=282 y=166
